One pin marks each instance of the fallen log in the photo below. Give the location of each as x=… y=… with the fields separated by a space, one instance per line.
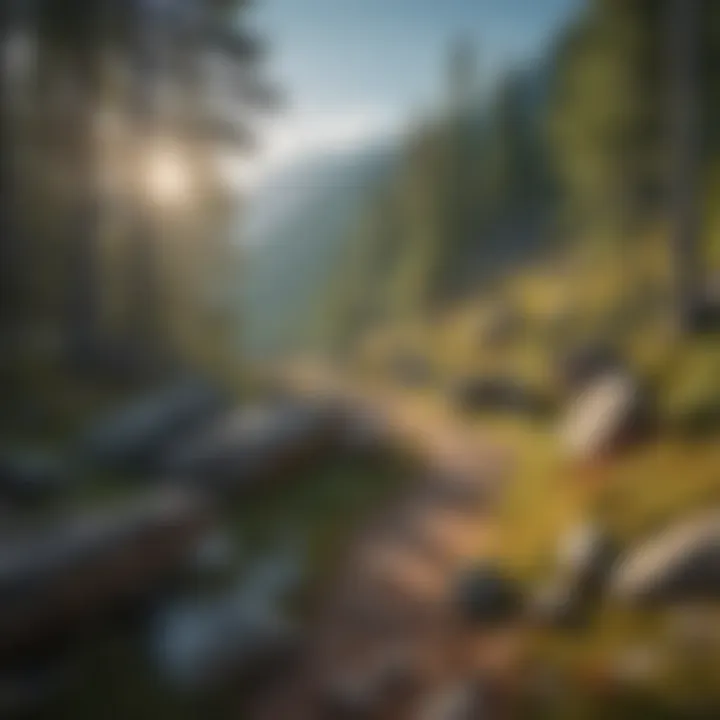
x=55 y=582
x=250 y=446
x=134 y=437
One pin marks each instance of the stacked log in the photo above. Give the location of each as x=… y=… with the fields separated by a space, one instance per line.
x=55 y=582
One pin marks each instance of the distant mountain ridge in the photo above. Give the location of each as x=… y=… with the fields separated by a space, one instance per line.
x=294 y=231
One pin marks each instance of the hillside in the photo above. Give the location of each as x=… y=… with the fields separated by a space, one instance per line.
x=296 y=226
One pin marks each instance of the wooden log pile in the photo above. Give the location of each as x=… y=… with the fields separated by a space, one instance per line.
x=56 y=582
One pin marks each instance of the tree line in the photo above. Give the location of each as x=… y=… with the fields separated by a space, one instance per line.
x=611 y=133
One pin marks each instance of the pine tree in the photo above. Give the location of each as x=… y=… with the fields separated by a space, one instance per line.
x=143 y=64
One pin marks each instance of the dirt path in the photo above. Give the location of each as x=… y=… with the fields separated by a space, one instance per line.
x=383 y=638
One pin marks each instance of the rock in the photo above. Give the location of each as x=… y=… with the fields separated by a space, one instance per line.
x=215 y=552
x=585 y=558
x=557 y=605
x=586 y=555
x=275 y=576
x=608 y=413
x=30 y=477
x=585 y=364
x=679 y=565
x=485 y=596
x=705 y=315
x=498 y=394
x=705 y=318
x=201 y=644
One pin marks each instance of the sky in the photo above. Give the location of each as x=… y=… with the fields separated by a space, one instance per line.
x=352 y=70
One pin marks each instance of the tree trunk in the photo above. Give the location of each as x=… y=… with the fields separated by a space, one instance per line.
x=684 y=152
x=144 y=309
x=8 y=215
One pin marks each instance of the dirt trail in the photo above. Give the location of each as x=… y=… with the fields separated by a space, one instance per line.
x=384 y=631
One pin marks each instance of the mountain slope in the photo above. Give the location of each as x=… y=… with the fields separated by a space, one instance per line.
x=296 y=228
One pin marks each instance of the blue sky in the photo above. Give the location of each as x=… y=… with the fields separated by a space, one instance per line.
x=355 y=68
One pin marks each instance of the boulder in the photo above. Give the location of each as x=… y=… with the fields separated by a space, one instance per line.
x=678 y=565
x=586 y=555
x=608 y=413
x=485 y=596
x=584 y=364
x=200 y=644
x=556 y=604
x=705 y=315
x=215 y=553
x=498 y=394
x=585 y=559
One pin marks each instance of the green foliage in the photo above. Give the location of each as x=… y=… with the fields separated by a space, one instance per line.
x=608 y=115
x=578 y=149
x=690 y=393
x=467 y=196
